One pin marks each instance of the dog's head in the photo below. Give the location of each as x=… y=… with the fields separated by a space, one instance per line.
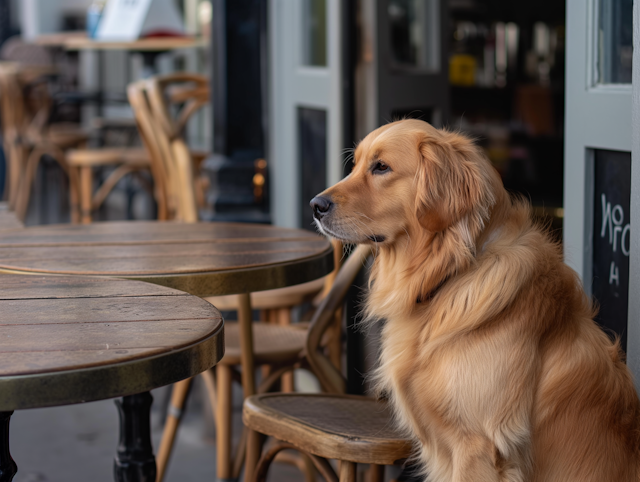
x=409 y=177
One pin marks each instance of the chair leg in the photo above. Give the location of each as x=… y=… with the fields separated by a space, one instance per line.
x=14 y=155
x=176 y=408
x=376 y=473
x=27 y=178
x=209 y=377
x=86 y=193
x=248 y=378
x=347 y=471
x=284 y=319
x=74 y=195
x=223 y=421
x=320 y=464
x=301 y=461
x=254 y=448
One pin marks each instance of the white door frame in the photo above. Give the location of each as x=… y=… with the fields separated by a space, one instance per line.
x=633 y=337
x=293 y=85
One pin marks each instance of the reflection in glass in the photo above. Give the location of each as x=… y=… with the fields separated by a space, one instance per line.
x=615 y=41
x=414 y=34
x=312 y=131
x=314 y=33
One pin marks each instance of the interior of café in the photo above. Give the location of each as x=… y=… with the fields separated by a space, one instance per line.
x=135 y=132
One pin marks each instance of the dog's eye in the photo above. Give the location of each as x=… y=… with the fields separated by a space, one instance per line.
x=380 y=168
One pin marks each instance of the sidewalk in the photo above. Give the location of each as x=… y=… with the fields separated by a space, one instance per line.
x=77 y=443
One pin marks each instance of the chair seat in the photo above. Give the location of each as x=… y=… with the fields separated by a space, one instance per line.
x=280 y=298
x=344 y=427
x=65 y=135
x=272 y=344
x=134 y=156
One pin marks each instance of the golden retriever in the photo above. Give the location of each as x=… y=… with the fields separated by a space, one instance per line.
x=490 y=355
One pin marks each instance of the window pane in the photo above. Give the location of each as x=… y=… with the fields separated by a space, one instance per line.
x=314 y=33
x=312 y=125
x=611 y=240
x=614 y=41
x=414 y=33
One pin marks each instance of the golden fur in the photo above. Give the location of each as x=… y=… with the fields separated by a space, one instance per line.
x=490 y=355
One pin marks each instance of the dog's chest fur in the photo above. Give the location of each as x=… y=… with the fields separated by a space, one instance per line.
x=436 y=374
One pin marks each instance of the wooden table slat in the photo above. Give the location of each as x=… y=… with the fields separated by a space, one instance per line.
x=62 y=341
x=115 y=309
x=204 y=259
x=115 y=338
x=150 y=232
x=58 y=287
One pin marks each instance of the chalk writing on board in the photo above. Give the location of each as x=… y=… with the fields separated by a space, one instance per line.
x=618 y=235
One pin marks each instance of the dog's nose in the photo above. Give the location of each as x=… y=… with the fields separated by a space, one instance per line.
x=320 y=206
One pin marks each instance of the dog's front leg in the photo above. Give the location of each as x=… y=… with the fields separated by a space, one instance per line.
x=475 y=459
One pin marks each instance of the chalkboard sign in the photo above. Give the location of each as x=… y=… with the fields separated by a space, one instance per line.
x=611 y=240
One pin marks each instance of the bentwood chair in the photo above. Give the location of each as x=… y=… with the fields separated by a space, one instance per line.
x=126 y=160
x=351 y=429
x=27 y=132
x=27 y=107
x=162 y=105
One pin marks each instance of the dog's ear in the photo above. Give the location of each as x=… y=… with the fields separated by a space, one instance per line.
x=453 y=181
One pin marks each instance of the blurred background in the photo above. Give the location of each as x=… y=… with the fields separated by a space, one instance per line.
x=295 y=85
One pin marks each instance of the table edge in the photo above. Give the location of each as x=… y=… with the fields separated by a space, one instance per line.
x=67 y=387
x=226 y=282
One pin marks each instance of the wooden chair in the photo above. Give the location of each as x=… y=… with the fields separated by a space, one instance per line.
x=162 y=135
x=81 y=165
x=162 y=106
x=27 y=136
x=27 y=133
x=351 y=429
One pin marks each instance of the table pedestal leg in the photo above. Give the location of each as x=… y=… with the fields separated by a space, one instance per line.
x=135 y=461
x=8 y=467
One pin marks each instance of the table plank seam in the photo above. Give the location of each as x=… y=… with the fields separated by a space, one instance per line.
x=168 y=295
x=113 y=322
x=159 y=242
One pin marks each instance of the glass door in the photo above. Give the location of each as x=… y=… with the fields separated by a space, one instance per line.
x=305 y=129
x=598 y=161
x=403 y=65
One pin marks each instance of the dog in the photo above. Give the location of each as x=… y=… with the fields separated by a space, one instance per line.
x=489 y=355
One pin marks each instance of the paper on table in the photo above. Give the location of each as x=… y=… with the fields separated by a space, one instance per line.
x=126 y=20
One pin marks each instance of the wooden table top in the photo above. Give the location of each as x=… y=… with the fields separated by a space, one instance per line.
x=78 y=40
x=204 y=259
x=66 y=339
x=59 y=39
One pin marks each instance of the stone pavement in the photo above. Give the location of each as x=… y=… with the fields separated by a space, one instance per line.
x=77 y=443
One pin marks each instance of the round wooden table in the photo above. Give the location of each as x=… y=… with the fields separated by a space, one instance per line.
x=66 y=340
x=203 y=259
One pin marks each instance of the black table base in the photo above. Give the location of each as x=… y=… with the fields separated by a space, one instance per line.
x=8 y=467
x=134 y=461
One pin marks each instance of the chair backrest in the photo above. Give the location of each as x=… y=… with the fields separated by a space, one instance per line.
x=11 y=100
x=162 y=106
x=329 y=376
x=14 y=126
